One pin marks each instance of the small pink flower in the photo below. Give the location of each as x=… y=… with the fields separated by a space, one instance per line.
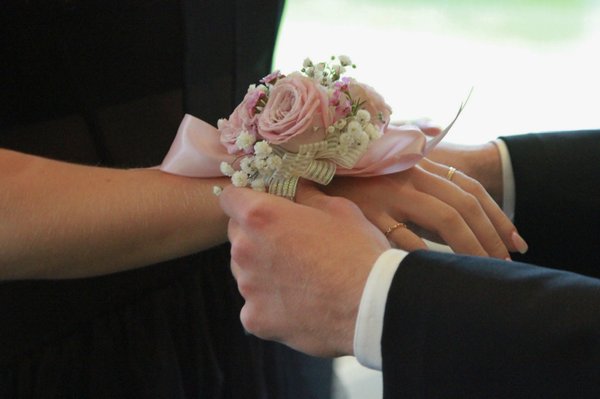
x=342 y=84
x=243 y=118
x=342 y=110
x=334 y=100
x=272 y=77
x=253 y=99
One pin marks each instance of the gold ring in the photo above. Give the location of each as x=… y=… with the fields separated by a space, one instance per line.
x=394 y=227
x=451 y=171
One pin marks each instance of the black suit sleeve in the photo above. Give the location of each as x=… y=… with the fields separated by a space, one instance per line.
x=557 y=187
x=468 y=327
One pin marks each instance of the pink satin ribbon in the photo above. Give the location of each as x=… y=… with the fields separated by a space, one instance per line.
x=197 y=152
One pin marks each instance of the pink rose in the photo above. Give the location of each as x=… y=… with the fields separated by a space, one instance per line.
x=375 y=103
x=296 y=106
x=243 y=118
x=272 y=77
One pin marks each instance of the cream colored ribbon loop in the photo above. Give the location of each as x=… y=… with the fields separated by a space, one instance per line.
x=284 y=187
x=320 y=171
x=315 y=161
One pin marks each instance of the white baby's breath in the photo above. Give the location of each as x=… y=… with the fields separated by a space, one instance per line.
x=354 y=128
x=373 y=132
x=337 y=69
x=363 y=116
x=239 y=179
x=346 y=139
x=258 y=184
x=345 y=60
x=217 y=190
x=318 y=76
x=247 y=165
x=362 y=140
x=261 y=164
x=340 y=124
x=226 y=169
x=342 y=149
x=245 y=140
x=274 y=162
x=262 y=148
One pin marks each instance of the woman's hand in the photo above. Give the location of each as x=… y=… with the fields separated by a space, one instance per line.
x=480 y=162
x=453 y=207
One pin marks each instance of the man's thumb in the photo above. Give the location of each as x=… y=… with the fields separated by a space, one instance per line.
x=308 y=194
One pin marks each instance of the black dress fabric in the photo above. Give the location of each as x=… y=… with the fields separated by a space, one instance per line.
x=107 y=82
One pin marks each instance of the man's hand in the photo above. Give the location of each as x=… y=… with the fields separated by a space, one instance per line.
x=301 y=267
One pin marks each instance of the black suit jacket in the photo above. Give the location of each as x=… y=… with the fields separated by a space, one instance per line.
x=460 y=327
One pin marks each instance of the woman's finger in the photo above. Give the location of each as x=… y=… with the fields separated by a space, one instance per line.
x=399 y=234
x=505 y=228
x=469 y=208
x=435 y=215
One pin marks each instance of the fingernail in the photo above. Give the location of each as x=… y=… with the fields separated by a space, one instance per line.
x=519 y=243
x=508 y=259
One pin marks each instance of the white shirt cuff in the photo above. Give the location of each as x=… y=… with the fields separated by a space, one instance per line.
x=508 y=180
x=371 y=311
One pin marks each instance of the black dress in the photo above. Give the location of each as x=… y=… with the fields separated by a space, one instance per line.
x=107 y=82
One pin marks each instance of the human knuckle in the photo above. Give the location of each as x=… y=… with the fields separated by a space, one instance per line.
x=255 y=322
x=496 y=243
x=499 y=249
x=245 y=288
x=256 y=214
x=343 y=205
x=248 y=318
x=471 y=203
x=473 y=186
x=241 y=251
x=334 y=202
x=478 y=190
x=450 y=216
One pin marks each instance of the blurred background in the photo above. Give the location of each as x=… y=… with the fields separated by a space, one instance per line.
x=533 y=65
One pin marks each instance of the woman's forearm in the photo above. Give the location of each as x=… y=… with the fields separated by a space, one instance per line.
x=63 y=220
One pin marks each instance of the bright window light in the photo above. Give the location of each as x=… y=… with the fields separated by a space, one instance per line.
x=533 y=64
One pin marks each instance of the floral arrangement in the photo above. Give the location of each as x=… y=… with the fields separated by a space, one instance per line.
x=301 y=125
x=313 y=124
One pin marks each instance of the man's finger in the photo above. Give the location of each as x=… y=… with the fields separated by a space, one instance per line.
x=308 y=194
x=236 y=201
x=235 y=269
x=233 y=229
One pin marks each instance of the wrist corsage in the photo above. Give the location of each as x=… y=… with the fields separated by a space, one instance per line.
x=313 y=124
